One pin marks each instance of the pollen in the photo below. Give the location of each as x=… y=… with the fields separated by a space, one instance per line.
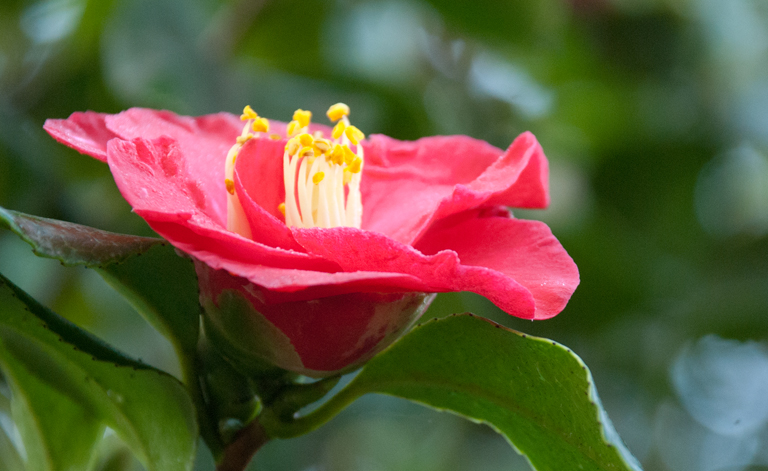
x=230 y=186
x=302 y=117
x=338 y=130
x=337 y=111
x=306 y=139
x=354 y=135
x=281 y=208
x=260 y=125
x=275 y=137
x=293 y=128
x=318 y=177
x=248 y=113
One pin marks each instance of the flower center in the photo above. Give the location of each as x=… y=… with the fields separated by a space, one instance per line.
x=321 y=174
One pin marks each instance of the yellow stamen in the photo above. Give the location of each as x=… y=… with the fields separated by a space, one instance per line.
x=349 y=156
x=306 y=139
x=293 y=146
x=248 y=113
x=337 y=155
x=302 y=117
x=260 y=125
x=338 y=130
x=306 y=152
x=337 y=111
x=354 y=135
x=293 y=128
x=356 y=165
x=322 y=146
x=319 y=192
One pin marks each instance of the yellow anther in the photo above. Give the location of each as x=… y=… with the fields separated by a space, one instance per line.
x=354 y=135
x=349 y=156
x=293 y=146
x=337 y=154
x=306 y=139
x=322 y=146
x=248 y=113
x=281 y=208
x=230 y=186
x=347 y=176
x=356 y=165
x=293 y=128
x=302 y=117
x=260 y=125
x=306 y=152
x=338 y=130
x=337 y=111
x=243 y=139
x=318 y=177
x=275 y=137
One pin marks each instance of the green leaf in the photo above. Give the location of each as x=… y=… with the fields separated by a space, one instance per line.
x=73 y=244
x=161 y=285
x=533 y=391
x=67 y=385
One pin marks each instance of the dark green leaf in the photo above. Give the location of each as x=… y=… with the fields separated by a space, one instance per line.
x=73 y=244
x=61 y=375
x=161 y=285
x=536 y=393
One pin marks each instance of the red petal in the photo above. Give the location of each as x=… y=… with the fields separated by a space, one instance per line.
x=259 y=186
x=204 y=141
x=523 y=250
x=153 y=178
x=85 y=132
x=355 y=249
x=407 y=186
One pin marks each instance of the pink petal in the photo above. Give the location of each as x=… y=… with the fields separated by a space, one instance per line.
x=407 y=186
x=523 y=250
x=259 y=186
x=85 y=132
x=355 y=249
x=204 y=141
x=152 y=176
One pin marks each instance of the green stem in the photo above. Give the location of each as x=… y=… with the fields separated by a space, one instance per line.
x=190 y=370
x=277 y=427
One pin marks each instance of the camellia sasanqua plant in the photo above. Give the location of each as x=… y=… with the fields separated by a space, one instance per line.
x=292 y=254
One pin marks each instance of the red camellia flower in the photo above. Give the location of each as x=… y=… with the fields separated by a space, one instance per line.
x=315 y=248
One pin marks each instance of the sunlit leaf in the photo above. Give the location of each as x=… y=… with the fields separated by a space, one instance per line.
x=533 y=391
x=67 y=385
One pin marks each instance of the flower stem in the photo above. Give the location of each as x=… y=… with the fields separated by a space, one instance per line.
x=239 y=453
x=190 y=369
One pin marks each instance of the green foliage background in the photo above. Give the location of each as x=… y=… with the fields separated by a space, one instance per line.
x=652 y=113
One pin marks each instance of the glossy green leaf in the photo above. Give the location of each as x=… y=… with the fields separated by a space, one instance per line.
x=533 y=391
x=61 y=375
x=160 y=284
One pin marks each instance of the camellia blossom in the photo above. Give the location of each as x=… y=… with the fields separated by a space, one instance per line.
x=315 y=247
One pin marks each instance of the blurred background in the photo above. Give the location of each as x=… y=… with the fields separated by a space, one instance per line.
x=653 y=113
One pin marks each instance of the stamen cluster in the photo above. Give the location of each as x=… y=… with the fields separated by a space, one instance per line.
x=321 y=174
